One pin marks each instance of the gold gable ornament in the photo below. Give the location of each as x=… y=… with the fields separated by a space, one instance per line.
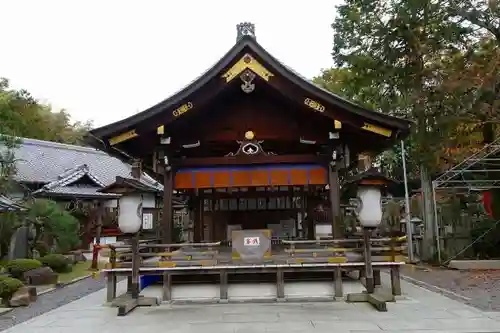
x=314 y=105
x=123 y=137
x=182 y=109
x=247 y=62
x=377 y=129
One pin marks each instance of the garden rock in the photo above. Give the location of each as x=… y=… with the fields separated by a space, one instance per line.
x=40 y=276
x=23 y=297
x=71 y=258
x=79 y=256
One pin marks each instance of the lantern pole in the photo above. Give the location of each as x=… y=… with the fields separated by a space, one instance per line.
x=370 y=283
x=135 y=265
x=409 y=226
x=369 y=212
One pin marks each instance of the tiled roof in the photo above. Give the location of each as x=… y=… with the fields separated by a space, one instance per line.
x=128 y=183
x=7 y=204
x=77 y=191
x=45 y=162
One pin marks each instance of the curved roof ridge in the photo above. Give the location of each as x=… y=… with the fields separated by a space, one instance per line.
x=225 y=62
x=190 y=86
x=70 y=176
x=52 y=144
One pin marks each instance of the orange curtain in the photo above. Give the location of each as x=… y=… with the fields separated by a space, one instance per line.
x=247 y=177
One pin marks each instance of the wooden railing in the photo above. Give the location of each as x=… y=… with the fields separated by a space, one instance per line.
x=152 y=254
x=206 y=258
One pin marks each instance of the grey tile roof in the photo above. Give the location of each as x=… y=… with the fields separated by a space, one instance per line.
x=78 y=191
x=45 y=162
x=7 y=204
x=128 y=183
x=72 y=175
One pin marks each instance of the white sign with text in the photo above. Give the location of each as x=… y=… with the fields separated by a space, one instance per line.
x=251 y=241
x=147 y=221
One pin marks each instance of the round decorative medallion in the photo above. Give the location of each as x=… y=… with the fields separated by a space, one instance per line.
x=250 y=149
x=247 y=59
x=249 y=135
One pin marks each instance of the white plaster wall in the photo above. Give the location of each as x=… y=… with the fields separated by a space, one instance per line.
x=323 y=230
x=105 y=240
x=111 y=203
x=148 y=200
x=16 y=195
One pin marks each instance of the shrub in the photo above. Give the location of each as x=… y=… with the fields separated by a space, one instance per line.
x=17 y=267
x=58 y=262
x=57 y=222
x=8 y=286
x=42 y=248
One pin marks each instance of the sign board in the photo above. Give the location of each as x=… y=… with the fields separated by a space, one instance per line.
x=251 y=241
x=147 y=221
x=231 y=228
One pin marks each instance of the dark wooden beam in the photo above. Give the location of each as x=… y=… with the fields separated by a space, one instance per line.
x=298 y=95
x=167 y=221
x=277 y=136
x=333 y=179
x=253 y=194
x=243 y=160
x=197 y=219
x=198 y=101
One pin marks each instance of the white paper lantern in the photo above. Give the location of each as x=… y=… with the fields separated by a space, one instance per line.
x=130 y=214
x=369 y=211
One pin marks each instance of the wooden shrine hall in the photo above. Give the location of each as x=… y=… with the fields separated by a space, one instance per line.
x=253 y=145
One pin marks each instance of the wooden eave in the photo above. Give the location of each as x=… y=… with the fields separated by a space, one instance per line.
x=128 y=185
x=161 y=113
x=370 y=177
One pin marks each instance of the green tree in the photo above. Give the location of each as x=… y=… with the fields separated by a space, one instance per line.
x=23 y=116
x=482 y=61
x=395 y=47
x=54 y=224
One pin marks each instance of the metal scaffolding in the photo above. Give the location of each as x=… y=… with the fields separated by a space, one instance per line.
x=479 y=172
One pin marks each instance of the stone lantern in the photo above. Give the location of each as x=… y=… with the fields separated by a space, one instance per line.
x=369 y=188
x=134 y=196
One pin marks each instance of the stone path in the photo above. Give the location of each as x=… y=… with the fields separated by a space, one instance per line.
x=419 y=311
x=50 y=301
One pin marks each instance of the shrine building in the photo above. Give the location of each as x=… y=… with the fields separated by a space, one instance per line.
x=253 y=145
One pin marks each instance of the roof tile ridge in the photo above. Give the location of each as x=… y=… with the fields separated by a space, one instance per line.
x=58 y=145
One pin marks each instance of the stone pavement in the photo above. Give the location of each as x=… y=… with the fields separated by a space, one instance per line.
x=419 y=311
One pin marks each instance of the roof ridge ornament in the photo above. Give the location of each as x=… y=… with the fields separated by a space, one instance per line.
x=250 y=146
x=245 y=29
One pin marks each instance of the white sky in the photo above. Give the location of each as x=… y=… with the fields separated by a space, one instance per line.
x=104 y=60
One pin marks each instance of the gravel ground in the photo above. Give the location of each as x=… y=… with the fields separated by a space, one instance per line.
x=480 y=288
x=51 y=301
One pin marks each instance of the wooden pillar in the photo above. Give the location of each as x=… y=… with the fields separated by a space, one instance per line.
x=369 y=282
x=280 y=284
x=333 y=180
x=309 y=222
x=196 y=219
x=95 y=249
x=213 y=219
x=395 y=281
x=167 y=287
x=201 y=221
x=136 y=170
x=377 y=279
x=338 y=282
x=135 y=266
x=223 y=285
x=167 y=220
x=299 y=233
x=110 y=286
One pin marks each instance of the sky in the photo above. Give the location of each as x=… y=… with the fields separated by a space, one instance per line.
x=104 y=60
